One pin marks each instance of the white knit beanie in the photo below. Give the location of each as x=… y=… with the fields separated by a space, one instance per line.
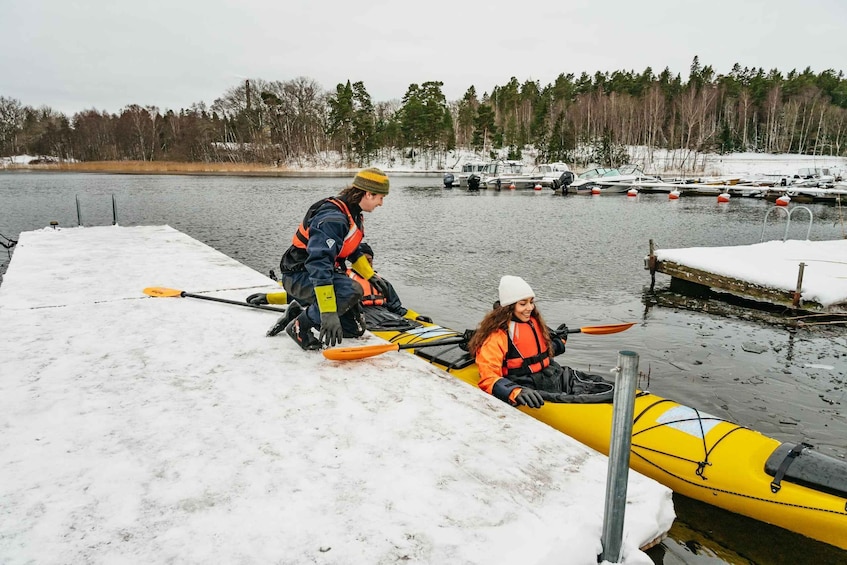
x=514 y=289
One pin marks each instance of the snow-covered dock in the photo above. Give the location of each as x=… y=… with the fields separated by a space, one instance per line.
x=807 y=275
x=161 y=430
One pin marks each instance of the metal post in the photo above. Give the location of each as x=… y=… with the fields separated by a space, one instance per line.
x=797 y=293
x=651 y=264
x=114 y=211
x=78 y=215
x=619 y=446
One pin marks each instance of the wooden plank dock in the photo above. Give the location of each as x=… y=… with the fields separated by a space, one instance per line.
x=799 y=275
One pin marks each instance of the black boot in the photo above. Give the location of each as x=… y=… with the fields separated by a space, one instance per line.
x=353 y=322
x=292 y=311
x=300 y=330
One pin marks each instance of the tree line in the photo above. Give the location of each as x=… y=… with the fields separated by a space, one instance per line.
x=574 y=119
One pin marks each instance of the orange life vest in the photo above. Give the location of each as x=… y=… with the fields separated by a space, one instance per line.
x=528 y=352
x=372 y=296
x=354 y=236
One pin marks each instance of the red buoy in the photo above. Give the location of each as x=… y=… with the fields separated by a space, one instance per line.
x=595 y=190
x=783 y=200
x=723 y=197
x=673 y=195
x=632 y=192
x=538 y=187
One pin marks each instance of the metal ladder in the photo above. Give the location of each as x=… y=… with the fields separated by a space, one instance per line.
x=788 y=221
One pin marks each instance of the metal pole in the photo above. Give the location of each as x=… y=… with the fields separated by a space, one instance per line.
x=78 y=215
x=114 y=211
x=651 y=263
x=619 y=446
x=797 y=293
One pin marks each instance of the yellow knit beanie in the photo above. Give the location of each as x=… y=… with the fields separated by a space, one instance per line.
x=371 y=180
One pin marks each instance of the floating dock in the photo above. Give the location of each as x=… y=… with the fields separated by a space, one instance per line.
x=797 y=274
x=172 y=430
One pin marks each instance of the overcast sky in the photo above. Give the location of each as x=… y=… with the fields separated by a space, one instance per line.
x=106 y=54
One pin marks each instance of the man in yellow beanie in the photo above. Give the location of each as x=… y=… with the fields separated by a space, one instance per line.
x=314 y=270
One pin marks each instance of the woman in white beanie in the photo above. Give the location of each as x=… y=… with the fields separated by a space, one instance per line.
x=514 y=347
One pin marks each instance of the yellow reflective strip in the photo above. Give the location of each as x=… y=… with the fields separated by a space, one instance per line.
x=325 y=296
x=363 y=268
x=277 y=298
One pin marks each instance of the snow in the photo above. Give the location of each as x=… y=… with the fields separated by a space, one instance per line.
x=775 y=264
x=767 y=166
x=151 y=430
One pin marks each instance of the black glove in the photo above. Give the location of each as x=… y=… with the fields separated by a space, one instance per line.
x=426 y=319
x=467 y=335
x=562 y=332
x=379 y=284
x=530 y=398
x=258 y=299
x=331 y=332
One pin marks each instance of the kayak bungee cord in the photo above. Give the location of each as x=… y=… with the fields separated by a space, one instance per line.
x=10 y=245
x=701 y=465
x=707 y=451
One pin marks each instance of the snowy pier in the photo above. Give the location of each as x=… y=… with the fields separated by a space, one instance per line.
x=160 y=430
x=797 y=274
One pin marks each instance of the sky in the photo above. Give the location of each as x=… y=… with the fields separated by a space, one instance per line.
x=161 y=430
x=106 y=55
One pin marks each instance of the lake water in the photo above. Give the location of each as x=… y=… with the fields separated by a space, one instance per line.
x=445 y=251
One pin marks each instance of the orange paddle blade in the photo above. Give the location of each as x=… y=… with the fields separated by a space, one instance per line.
x=359 y=352
x=161 y=292
x=607 y=329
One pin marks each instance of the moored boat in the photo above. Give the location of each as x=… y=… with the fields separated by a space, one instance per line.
x=704 y=457
x=836 y=195
x=545 y=175
x=460 y=179
x=618 y=180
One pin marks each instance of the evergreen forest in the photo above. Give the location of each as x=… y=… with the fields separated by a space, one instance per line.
x=294 y=121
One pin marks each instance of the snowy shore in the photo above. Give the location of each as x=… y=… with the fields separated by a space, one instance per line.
x=652 y=161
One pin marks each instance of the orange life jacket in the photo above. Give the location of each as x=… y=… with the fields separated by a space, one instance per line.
x=354 y=236
x=528 y=352
x=372 y=296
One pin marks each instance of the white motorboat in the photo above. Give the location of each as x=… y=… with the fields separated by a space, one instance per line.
x=610 y=180
x=482 y=172
x=461 y=179
x=545 y=175
x=812 y=177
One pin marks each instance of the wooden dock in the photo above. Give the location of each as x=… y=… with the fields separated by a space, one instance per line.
x=799 y=275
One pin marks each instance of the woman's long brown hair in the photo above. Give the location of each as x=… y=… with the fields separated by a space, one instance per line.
x=499 y=318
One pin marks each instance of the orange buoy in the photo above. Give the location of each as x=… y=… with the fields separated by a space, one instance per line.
x=632 y=192
x=723 y=197
x=538 y=187
x=783 y=200
x=512 y=186
x=673 y=195
x=595 y=190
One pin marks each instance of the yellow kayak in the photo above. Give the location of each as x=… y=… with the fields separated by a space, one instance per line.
x=695 y=454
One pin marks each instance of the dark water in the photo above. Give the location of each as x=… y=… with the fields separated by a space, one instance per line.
x=445 y=250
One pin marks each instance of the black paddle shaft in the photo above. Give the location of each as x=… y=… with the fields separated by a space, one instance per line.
x=447 y=341
x=453 y=341
x=236 y=302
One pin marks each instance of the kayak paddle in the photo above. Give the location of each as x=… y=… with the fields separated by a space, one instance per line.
x=161 y=292
x=364 y=351
x=602 y=330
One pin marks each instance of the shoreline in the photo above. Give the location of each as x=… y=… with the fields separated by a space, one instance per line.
x=662 y=165
x=199 y=169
